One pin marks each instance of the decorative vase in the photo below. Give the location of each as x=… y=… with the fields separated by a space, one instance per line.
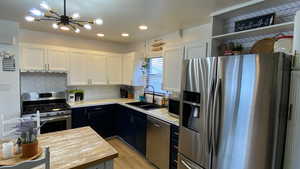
x=30 y=150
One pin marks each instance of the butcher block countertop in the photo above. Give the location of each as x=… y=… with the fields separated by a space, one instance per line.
x=77 y=148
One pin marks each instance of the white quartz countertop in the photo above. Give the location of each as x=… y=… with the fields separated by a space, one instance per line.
x=161 y=114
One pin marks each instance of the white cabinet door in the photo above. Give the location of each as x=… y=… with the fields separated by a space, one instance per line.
x=196 y=50
x=127 y=73
x=57 y=60
x=77 y=69
x=96 y=70
x=292 y=150
x=33 y=58
x=173 y=58
x=114 y=69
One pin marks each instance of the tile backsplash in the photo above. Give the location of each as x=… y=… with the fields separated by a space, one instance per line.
x=48 y=82
x=43 y=82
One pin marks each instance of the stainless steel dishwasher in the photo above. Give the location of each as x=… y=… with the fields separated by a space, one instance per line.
x=158 y=143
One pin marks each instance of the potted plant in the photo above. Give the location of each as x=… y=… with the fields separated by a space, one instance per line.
x=28 y=131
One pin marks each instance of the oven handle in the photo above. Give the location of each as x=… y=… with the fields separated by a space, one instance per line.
x=52 y=119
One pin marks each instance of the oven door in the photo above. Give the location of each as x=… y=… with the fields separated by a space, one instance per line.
x=57 y=123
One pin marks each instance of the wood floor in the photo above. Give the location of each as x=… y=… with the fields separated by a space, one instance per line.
x=128 y=158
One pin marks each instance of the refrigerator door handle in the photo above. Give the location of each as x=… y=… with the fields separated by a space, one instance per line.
x=216 y=115
x=209 y=119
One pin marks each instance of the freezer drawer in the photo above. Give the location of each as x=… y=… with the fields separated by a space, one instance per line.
x=158 y=143
x=184 y=163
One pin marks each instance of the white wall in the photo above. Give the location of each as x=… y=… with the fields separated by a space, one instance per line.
x=44 y=38
x=201 y=32
x=9 y=81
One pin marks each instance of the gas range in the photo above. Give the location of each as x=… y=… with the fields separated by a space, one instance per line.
x=48 y=104
x=53 y=108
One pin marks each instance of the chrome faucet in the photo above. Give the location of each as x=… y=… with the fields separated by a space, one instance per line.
x=153 y=92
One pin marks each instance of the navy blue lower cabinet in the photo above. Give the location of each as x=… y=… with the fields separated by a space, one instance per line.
x=101 y=119
x=131 y=126
x=79 y=118
x=174 y=147
x=140 y=127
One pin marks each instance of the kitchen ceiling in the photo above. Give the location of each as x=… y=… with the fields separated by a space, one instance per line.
x=119 y=16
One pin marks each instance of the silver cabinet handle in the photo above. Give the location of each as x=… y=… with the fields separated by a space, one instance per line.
x=156 y=125
x=186 y=165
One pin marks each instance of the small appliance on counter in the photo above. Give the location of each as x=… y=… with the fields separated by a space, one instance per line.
x=75 y=95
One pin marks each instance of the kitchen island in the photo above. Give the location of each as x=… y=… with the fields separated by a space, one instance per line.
x=80 y=148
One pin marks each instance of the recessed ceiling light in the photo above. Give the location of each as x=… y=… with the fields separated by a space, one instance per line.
x=64 y=28
x=125 y=34
x=143 y=27
x=29 y=18
x=98 y=21
x=100 y=34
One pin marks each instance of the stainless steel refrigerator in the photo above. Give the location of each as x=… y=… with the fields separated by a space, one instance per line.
x=234 y=111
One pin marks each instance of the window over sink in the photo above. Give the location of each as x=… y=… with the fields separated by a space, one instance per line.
x=155 y=74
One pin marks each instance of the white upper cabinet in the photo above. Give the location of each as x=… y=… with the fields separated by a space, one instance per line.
x=114 y=69
x=33 y=58
x=43 y=59
x=57 y=60
x=173 y=59
x=96 y=70
x=132 y=69
x=77 y=69
x=197 y=49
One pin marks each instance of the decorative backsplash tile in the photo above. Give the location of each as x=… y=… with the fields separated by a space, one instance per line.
x=43 y=82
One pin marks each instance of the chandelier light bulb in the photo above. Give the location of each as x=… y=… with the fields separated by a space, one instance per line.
x=75 y=16
x=29 y=18
x=77 y=30
x=45 y=6
x=36 y=12
x=64 y=28
x=55 y=26
x=87 y=26
x=98 y=21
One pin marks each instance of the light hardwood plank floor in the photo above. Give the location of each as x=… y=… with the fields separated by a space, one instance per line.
x=128 y=158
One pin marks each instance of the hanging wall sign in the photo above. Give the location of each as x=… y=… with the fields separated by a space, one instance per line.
x=256 y=22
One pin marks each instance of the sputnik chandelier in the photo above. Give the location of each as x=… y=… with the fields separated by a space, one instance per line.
x=63 y=22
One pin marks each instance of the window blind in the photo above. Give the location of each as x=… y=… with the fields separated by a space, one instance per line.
x=155 y=74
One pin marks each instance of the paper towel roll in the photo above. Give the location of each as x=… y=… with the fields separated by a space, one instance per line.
x=296 y=46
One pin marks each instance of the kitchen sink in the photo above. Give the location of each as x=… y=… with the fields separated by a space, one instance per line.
x=145 y=105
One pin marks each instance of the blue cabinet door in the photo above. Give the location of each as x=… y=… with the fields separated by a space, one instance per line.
x=101 y=119
x=140 y=124
x=79 y=118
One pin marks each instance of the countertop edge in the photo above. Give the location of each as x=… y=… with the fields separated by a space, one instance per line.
x=126 y=105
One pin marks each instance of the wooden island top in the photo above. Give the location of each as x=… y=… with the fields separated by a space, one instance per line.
x=77 y=148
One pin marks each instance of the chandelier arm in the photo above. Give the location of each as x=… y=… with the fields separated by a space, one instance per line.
x=54 y=17
x=53 y=12
x=73 y=27
x=76 y=23
x=47 y=19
